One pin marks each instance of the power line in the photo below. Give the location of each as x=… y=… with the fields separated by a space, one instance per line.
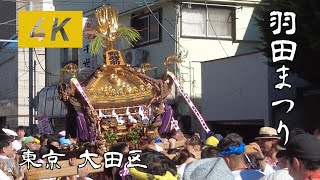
x=8 y=21
x=61 y=3
x=41 y=65
x=9 y=24
x=10 y=50
x=164 y=27
x=23 y=6
x=24 y=59
x=8 y=91
x=14 y=1
x=23 y=74
x=214 y=30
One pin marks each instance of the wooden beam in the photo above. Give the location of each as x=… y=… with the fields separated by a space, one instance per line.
x=43 y=173
x=65 y=170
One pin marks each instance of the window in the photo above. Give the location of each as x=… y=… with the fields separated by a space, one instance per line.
x=70 y=55
x=148 y=27
x=200 y=21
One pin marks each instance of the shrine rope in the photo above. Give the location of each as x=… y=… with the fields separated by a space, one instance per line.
x=190 y=103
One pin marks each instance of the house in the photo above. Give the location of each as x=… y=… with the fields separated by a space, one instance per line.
x=195 y=30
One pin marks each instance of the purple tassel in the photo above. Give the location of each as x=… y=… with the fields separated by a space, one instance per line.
x=82 y=128
x=92 y=129
x=166 y=120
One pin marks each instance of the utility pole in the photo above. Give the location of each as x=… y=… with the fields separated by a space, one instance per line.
x=34 y=89
x=31 y=91
x=30 y=84
x=34 y=80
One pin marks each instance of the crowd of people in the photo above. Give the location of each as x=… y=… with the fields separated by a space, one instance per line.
x=217 y=157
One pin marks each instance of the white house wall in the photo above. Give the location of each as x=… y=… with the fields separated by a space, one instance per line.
x=189 y=72
x=246 y=41
x=246 y=27
x=198 y=49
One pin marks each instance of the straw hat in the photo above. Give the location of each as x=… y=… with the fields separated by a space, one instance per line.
x=268 y=132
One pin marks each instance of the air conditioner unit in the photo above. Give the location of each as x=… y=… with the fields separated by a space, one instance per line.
x=135 y=57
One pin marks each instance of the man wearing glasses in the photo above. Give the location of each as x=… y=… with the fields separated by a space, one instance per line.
x=30 y=143
x=268 y=140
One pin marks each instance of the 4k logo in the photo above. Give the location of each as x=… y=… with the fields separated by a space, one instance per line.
x=50 y=29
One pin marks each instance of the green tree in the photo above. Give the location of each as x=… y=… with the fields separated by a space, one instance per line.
x=307 y=35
